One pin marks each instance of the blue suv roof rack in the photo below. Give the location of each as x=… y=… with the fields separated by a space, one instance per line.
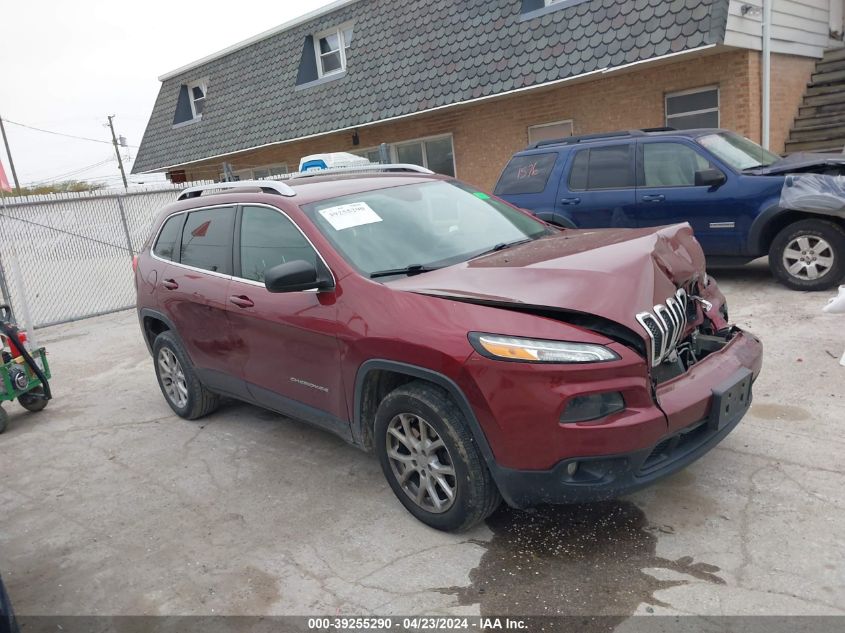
x=572 y=140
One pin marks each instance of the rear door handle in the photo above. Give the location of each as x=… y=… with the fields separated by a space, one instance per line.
x=241 y=301
x=657 y=197
x=570 y=200
x=170 y=284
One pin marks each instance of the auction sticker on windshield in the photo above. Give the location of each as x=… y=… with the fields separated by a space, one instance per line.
x=347 y=216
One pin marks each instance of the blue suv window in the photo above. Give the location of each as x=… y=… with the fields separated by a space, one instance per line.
x=602 y=168
x=526 y=174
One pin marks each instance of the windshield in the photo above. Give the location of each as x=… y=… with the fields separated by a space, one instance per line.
x=419 y=227
x=737 y=151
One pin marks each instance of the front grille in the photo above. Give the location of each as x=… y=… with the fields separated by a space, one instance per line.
x=665 y=326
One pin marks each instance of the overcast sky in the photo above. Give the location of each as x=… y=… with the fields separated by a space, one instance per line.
x=65 y=66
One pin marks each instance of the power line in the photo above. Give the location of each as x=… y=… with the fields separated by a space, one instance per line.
x=80 y=138
x=73 y=172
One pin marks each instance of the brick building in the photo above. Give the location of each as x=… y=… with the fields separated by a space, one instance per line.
x=458 y=86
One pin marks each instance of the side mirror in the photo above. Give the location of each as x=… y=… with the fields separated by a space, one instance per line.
x=709 y=178
x=296 y=276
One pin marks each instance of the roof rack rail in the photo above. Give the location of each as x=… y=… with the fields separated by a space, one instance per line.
x=352 y=169
x=572 y=140
x=266 y=186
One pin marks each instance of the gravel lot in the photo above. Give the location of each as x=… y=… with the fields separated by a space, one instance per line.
x=109 y=504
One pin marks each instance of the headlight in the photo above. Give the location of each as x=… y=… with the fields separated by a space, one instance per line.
x=530 y=350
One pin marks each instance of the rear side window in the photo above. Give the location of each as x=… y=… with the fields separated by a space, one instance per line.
x=526 y=174
x=268 y=239
x=207 y=240
x=602 y=168
x=167 y=244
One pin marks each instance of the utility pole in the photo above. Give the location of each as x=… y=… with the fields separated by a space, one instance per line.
x=117 y=151
x=9 y=154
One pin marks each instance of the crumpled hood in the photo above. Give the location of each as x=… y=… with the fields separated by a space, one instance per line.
x=802 y=161
x=611 y=273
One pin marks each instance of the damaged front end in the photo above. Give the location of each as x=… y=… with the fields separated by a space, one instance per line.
x=686 y=329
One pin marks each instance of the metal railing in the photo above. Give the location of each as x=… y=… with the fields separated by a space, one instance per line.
x=66 y=257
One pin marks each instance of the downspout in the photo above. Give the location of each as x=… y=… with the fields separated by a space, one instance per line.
x=766 y=88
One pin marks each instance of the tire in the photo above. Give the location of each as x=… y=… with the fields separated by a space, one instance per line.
x=33 y=400
x=4 y=420
x=181 y=388
x=410 y=409
x=809 y=255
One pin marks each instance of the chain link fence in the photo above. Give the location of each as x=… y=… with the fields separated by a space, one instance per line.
x=69 y=256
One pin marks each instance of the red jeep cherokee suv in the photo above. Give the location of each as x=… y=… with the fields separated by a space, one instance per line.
x=481 y=353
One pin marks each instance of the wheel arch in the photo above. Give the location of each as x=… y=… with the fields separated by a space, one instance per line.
x=377 y=377
x=154 y=323
x=773 y=220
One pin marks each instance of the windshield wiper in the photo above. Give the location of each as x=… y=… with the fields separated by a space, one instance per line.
x=502 y=246
x=413 y=269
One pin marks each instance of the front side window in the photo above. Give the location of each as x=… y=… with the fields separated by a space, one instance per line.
x=737 y=151
x=526 y=174
x=207 y=240
x=693 y=109
x=268 y=239
x=609 y=167
x=431 y=224
x=196 y=94
x=167 y=244
x=671 y=165
x=331 y=47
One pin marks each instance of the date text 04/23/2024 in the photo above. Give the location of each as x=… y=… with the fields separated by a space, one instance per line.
x=417 y=623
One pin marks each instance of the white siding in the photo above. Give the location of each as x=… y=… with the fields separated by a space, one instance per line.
x=799 y=27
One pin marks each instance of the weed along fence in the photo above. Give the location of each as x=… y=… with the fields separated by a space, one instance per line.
x=69 y=256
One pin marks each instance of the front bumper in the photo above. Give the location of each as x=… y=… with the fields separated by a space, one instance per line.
x=692 y=412
x=611 y=476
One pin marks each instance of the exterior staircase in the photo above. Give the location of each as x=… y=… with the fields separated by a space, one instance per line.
x=820 y=124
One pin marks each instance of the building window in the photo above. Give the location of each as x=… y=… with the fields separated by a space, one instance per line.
x=260 y=173
x=330 y=48
x=693 y=108
x=549 y=131
x=435 y=153
x=196 y=95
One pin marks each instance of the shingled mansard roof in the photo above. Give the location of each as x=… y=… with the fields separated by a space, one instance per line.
x=409 y=56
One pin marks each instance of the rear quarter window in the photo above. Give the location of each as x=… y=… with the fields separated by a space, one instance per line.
x=526 y=174
x=167 y=244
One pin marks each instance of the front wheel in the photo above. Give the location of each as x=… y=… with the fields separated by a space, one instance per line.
x=809 y=255
x=430 y=460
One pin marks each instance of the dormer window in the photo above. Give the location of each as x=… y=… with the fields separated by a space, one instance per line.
x=196 y=94
x=330 y=49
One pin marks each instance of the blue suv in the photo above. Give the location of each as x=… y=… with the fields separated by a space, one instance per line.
x=731 y=190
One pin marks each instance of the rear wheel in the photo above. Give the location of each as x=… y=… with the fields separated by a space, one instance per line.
x=181 y=387
x=33 y=400
x=809 y=255
x=430 y=460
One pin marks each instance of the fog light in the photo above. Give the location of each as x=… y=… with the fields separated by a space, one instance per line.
x=571 y=468
x=592 y=407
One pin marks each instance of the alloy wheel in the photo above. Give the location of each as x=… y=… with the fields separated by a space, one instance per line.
x=808 y=257
x=172 y=378
x=421 y=463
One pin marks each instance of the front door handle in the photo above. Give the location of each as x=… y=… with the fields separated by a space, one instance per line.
x=570 y=200
x=657 y=197
x=170 y=284
x=241 y=301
